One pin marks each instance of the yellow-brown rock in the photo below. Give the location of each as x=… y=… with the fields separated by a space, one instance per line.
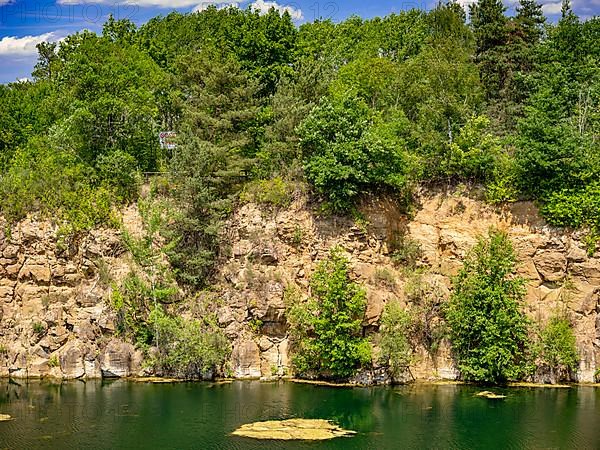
x=293 y=430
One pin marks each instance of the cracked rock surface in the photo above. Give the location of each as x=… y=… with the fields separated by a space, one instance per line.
x=55 y=319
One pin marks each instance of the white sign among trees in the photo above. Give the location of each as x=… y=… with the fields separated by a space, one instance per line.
x=167 y=140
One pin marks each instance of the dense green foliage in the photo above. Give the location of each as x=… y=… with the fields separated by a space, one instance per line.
x=146 y=304
x=557 y=349
x=187 y=348
x=346 y=155
x=361 y=106
x=488 y=329
x=327 y=328
x=396 y=349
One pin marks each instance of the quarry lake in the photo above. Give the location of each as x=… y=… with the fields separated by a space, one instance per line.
x=127 y=415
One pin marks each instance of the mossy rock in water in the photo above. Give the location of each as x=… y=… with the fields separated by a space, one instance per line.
x=5 y=417
x=293 y=429
x=488 y=394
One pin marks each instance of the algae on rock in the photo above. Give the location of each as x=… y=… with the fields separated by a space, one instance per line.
x=293 y=429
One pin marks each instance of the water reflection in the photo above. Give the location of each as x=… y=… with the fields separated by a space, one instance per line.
x=119 y=414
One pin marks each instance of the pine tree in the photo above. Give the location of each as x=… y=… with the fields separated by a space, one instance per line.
x=215 y=151
x=530 y=20
x=489 y=24
x=566 y=9
x=491 y=33
x=525 y=33
x=567 y=35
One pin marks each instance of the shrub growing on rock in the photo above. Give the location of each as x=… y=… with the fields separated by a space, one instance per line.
x=558 y=356
x=327 y=329
x=488 y=330
x=396 y=351
x=186 y=348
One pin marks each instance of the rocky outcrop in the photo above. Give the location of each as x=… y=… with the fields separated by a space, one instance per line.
x=119 y=359
x=54 y=317
x=246 y=359
x=555 y=263
x=559 y=273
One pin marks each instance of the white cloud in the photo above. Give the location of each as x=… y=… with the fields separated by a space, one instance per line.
x=263 y=7
x=552 y=8
x=23 y=46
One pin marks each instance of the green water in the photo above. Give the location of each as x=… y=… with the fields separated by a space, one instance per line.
x=115 y=415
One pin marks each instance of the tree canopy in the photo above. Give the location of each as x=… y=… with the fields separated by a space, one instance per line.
x=360 y=106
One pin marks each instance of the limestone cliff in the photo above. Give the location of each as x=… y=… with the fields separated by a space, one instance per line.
x=55 y=320
x=273 y=250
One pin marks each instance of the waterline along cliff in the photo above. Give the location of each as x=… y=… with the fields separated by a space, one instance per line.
x=57 y=320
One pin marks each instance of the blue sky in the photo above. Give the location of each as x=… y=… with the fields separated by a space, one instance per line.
x=24 y=23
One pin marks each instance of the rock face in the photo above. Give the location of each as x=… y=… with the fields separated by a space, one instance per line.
x=555 y=263
x=119 y=359
x=55 y=319
x=246 y=359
